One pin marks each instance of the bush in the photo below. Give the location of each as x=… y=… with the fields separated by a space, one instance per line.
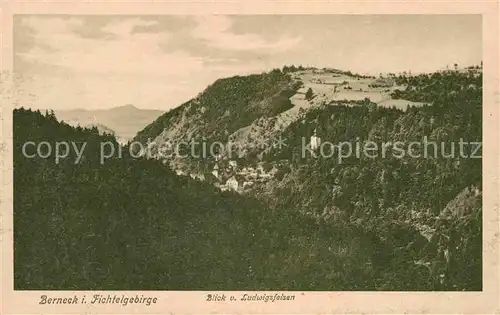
x=279 y=104
x=309 y=94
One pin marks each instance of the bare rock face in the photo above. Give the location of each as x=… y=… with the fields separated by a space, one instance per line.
x=457 y=238
x=463 y=205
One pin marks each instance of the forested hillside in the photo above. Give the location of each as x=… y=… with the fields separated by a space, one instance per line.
x=320 y=224
x=224 y=107
x=131 y=224
x=425 y=207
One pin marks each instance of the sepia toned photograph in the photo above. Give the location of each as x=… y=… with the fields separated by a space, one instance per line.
x=248 y=152
x=269 y=154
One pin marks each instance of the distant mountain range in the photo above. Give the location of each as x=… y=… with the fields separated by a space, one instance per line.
x=123 y=121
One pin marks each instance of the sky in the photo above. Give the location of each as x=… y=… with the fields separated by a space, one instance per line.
x=159 y=62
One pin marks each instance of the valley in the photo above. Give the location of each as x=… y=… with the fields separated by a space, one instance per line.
x=275 y=219
x=123 y=121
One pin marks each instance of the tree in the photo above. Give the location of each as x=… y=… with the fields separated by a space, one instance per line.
x=280 y=104
x=309 y=94
x=267 y=167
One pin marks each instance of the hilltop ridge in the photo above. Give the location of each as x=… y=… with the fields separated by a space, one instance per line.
x=251 y=110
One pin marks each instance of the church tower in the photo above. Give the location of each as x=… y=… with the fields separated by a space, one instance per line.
x=315 y=141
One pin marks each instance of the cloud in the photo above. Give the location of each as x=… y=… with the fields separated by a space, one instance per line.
x=162 y=61
x=139 y=54
x=133 y=53
x=124 y=66
x=124 y=27
x=169 y=23
x=215 y=31
x=94 y=28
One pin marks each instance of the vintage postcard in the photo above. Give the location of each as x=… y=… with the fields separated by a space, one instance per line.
x=298 y=157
